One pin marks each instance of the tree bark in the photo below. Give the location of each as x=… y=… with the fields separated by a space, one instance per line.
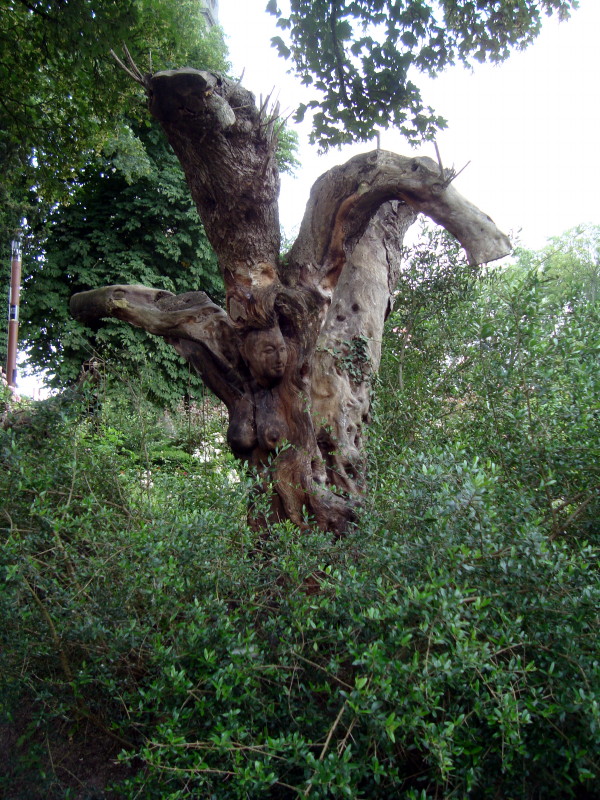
x=349 y=347
x=294 y=354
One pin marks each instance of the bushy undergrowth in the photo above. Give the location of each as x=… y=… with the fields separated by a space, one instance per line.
x=446 y=648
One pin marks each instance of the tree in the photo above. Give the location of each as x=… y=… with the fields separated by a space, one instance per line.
x=505 y=373
x=293 y=356
x=360 y=58
x=570 y=263
x=59 y=91
x=129 y=219
x=75 y=119
x=294 y=353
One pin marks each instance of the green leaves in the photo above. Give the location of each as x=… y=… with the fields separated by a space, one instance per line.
x=507 y=369
x=281 y=47
x=130 y=220
x=62 y=94
x=358 y=56
x=446 y=647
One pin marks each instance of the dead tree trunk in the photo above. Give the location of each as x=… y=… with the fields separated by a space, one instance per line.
x=293 y=354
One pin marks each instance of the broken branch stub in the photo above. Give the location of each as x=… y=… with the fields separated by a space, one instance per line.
x=198 y=329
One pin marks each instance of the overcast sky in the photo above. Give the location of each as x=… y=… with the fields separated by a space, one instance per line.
x=529 y=127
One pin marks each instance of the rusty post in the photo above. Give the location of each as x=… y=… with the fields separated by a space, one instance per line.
x=13 y=310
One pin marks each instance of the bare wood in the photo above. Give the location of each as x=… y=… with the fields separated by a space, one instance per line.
x=344 y=200
x=348 y=350
x=286 y=347
x=228 y=156
x=132 y=69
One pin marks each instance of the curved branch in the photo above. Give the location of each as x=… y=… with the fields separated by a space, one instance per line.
x=344 y=200
x=196 y=327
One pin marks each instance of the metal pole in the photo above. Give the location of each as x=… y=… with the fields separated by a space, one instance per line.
x=13 y=310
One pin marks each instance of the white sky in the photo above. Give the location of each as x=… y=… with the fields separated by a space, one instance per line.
x=529 y=127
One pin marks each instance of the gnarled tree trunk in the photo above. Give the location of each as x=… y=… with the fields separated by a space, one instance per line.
x=293 y=354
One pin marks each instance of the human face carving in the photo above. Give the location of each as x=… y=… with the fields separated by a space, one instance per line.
x=266 y=355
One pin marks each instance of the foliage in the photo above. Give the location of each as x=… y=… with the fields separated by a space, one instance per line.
x=287 y=148
x=570 y=263
x=61 y=92
x=446 y=648
x=360 y=57
x=53 y=90
x=106 y=201
x=131 y=220
x=434 y=278
x=510 y=371
x=68 y=114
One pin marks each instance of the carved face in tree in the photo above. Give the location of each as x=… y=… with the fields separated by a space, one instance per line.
x=266 y=354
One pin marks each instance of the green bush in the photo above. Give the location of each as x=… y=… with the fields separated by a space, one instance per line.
x=446 y=648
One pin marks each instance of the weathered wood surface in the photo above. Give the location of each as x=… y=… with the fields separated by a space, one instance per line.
x=293 y=354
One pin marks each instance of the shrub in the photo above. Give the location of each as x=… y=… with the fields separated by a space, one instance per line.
x=446 y=648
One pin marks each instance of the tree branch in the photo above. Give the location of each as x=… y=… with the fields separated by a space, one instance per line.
x=226 y=148
x=196 y=327
x=344 y=200
x=132 y=70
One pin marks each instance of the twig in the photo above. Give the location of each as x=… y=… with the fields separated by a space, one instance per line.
x=64 y=662
x=439 y=158
x=453 y=175
x=336 y=722
x=10 y=521
x=235 y=86
x=208 y=770
x=281 y=126
x=132 y=70
x=342 y=744
x=553 y=652
x=211 y=746
x=447 y=175
x=318 y=666
x=263 y=106
x=571 y=518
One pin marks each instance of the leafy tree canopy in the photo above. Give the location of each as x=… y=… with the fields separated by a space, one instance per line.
x=570 y=263
x=69 y=117
x=360 y=57
x=60 y=93
x=130 y=220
